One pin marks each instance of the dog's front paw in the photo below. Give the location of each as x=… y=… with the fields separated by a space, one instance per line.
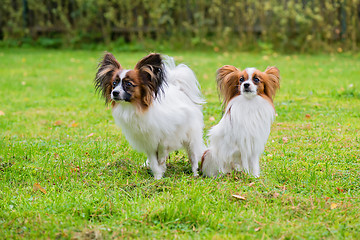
x=157 y=176
x=257 y=175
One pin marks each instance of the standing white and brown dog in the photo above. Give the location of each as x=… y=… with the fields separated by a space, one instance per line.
x=158 y=106
x=238 y=140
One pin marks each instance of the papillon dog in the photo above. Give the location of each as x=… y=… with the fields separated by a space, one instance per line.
x=238 y=140
x=158 y=106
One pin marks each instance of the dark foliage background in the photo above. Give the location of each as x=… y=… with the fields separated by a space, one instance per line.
x=281 y=25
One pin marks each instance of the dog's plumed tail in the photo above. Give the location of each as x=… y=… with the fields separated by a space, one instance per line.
x=183 y=77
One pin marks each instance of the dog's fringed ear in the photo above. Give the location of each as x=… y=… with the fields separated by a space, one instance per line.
x=274 y=81
x=106 y=70
x=151 y=72
x=227 y=78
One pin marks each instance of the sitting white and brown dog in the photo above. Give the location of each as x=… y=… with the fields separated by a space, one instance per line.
x=158 y=106
x=238 y=140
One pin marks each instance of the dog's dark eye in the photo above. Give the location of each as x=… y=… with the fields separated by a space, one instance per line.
x=128 y=84
x=242 y=79
x=114 y=83
x=256 y=80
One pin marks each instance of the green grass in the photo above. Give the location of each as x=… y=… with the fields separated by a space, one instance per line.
x=56 y=132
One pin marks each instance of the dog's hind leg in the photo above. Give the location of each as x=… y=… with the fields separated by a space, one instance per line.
x=195 y=149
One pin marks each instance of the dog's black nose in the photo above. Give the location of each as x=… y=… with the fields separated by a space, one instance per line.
x=116 y=93
x=246 y=85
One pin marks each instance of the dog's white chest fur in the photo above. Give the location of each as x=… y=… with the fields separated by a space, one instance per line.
x=249 y=122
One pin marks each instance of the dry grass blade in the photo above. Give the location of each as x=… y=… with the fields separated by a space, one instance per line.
x=238 y=197
x=37 y=187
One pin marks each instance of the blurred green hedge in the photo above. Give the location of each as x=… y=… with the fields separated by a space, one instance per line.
x=280 y=25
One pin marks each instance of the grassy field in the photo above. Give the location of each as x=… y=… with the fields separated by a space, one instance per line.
x=66 y=171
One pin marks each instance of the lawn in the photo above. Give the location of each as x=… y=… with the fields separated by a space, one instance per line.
x=67 y=172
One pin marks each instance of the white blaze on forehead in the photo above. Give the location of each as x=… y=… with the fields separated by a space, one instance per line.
x=119 y=87
x=123 y=74
x=252 y=88
x=250 y=72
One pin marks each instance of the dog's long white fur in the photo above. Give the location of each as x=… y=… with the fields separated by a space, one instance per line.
x=238 y=140
x=174 y=120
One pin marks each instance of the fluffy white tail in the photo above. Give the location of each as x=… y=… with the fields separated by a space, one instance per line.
x=183 y=77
